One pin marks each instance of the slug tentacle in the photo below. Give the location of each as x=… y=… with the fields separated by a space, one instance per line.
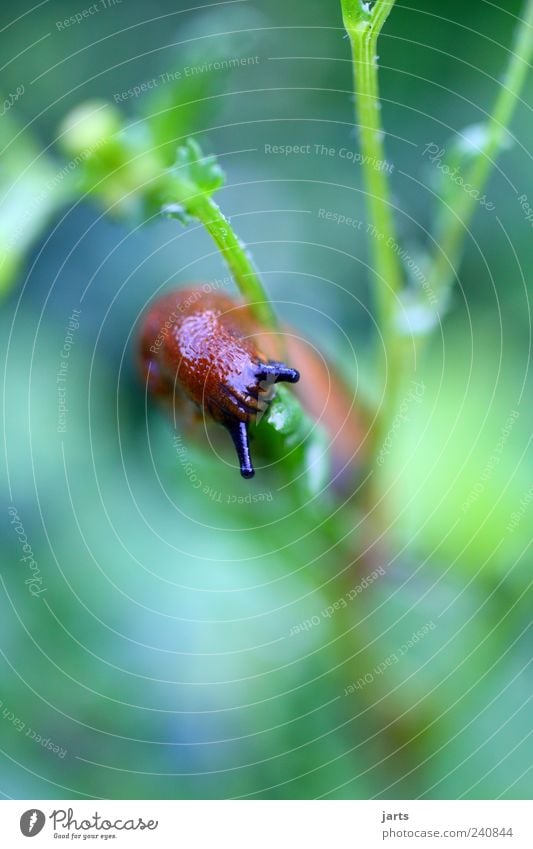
x=279 y=371
x=239 y=433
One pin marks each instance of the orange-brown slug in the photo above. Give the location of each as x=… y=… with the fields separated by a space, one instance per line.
x=199 y=348
x=202 y=350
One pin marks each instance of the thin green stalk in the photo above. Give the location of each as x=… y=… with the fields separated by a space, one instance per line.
x=456 y=222
x=363 y=38
x=237 y=258
x=363 y=27
x=191 y=200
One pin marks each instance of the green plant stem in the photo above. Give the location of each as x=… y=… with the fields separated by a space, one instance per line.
x=363 y=27
x=198 y=205
x=456 y=222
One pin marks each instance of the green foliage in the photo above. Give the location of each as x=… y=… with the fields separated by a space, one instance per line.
x=357 y=15
x=202 y=172
x=189 y=96
x=118 y=165
x=193 y=174
x=33 y=188
x=120 y=168
x=286 y=432
x=164 y=655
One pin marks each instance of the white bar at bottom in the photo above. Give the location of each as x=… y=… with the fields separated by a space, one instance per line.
x=268 y=824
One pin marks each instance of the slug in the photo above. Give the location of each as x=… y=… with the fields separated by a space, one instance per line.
x=198 y=351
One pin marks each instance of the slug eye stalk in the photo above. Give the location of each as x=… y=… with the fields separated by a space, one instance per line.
x=277 y=373
x=239 y=434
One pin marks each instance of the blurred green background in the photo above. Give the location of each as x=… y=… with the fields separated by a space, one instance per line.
x=160 y=661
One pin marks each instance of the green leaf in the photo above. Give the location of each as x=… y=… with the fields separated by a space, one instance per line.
x=118 y=165
x=206 y=64
x=285 y=416
x=33 y=187
x=200 y=171
x=356 y=14
x=302 y=443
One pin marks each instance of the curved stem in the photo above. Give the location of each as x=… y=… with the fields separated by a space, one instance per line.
x=237 y=258
x=456 y=221
x=197 y=204
x=363 y=27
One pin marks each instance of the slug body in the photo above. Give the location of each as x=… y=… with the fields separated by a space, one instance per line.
x=199 y=349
